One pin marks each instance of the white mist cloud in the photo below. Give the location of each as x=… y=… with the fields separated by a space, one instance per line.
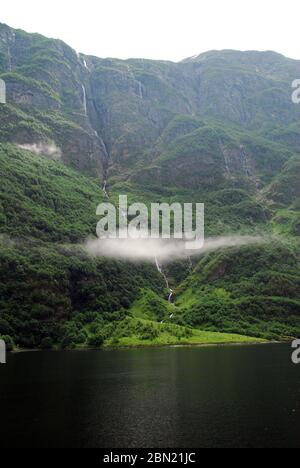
x=165 y=250
x=50 y=149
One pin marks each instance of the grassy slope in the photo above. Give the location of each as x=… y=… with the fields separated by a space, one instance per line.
x=151 y=322
x=140 y=332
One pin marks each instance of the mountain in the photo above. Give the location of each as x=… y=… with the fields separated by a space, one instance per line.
x=219 y=128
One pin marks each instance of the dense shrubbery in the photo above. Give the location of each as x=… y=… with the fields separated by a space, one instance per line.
x=43 y=286
x=43 y=199
x=50 y=290
x=140 y=330
x=254 y=291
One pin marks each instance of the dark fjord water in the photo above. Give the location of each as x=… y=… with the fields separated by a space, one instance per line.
x=237 y=396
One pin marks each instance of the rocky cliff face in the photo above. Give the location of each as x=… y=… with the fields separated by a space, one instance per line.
x=214 y=119
x=45 y=81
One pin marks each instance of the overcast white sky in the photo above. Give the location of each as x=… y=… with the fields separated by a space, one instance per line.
x=161 y=29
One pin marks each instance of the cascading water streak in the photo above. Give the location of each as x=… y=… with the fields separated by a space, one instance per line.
x=160 y=270
x=9 y=59
x=104 y=188
x=140 y=90
x=84 y=99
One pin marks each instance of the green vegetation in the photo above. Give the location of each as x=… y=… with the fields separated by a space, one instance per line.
x=36 y=86
x=44 y=199
x=139 y=332
x=47 y=210
x=253 y=290
x=157 y=133
x=52 y=291
x=53 y=294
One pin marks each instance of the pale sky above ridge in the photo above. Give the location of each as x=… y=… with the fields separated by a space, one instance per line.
x=161 y=29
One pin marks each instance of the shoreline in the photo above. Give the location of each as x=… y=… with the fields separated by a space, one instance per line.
x=154 y=346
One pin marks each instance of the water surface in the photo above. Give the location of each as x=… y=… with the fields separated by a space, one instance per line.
x=233 y=396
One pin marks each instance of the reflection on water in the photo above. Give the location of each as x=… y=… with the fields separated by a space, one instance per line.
x=233 y=396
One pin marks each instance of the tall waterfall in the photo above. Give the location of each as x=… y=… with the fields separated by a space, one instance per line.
x=84 y=64
x=225 y=157
x=160 y=270
x=244 y=161
x=226 y=163
x=140 y=90
x=104 y=188
x=9 y=59
x=137 y=85
x=84 y=99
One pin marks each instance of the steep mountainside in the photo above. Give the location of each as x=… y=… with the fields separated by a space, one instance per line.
x=131 y=111
x=218 y=128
